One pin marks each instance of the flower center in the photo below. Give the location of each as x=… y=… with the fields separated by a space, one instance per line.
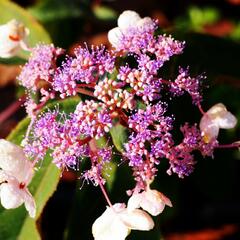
x=21 y=185
x=14 y=38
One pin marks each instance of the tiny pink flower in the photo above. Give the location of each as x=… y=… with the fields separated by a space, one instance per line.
x=15 y=175
x=150 y=200
x=215 y=118
x=12 y=38
x=117 y=222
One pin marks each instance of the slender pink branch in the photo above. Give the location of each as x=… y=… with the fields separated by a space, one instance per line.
x=41 y=105
x=232 y=145
x=93 y=147
x=85 y=92
x=166 y=82
x=35 y=161
x=200 y=108
x=105 y=193
x=90 y=85
x=10 y=110
x=29 y=128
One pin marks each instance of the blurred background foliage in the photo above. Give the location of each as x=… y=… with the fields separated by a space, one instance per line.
x=206 y=204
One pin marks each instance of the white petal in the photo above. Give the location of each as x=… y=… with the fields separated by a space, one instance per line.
x=109 y=226
x=128 y=19
x=228 y=121
x=114 y=36
x=134 y=201
x=150 y=200
x=166 y=200
x=153 y=203
x=216 y=110
x=137 y=220
x=29 y=202
x=209 y=128
x=216 y=117
x=14 y=161
x=3 y=176
x=9 y=46
x=11 y=195
x=6 y=45
x=219 y=115
x=146 y=23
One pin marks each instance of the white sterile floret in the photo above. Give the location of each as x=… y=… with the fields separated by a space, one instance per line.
x=117 y=222
x=16 y=172
x=146 y=23
x=215 y=118
x=128 y=19
x=150 y=200
x=12 y=38
x=114 y=36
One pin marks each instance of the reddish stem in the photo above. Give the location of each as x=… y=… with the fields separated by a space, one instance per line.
x=232 y=145
x=85 y=92
x=123 y=116
x=200 y=108
x=10 y=110
x=85 y=140
x=105 y=193
x=93 y=147
x=166 y=82
x=90 y=85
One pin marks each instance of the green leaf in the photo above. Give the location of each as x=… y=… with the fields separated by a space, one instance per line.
x=67 y=105
x=110 y=168
x=104 y=13
x=109 y=173
x=119 y=136
x=200 y=17
x=15 y=223
x=52 y=10
x=197 y=18
x=206 y=53
x=235 y=34
x=10 y=10
x=60 y=17
x=13 y=61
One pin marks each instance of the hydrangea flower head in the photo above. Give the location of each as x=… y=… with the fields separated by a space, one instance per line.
x=12 y=38
x=117 y=221
x=215 y=118
x=15 y=175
